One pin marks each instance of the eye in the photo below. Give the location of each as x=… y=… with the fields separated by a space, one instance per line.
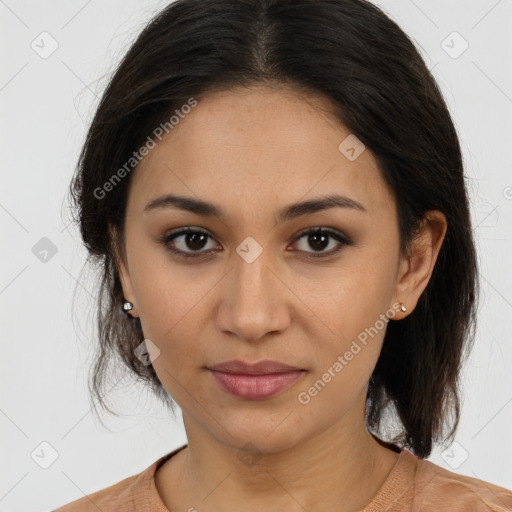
x=190 y=238
x=317 y=238
x=189 y=243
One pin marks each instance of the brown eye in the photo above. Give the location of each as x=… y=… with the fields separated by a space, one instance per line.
x=319 y=239
x=186 y=242
x=195 y=240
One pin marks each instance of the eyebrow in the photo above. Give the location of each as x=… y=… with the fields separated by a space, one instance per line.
x=290 y=212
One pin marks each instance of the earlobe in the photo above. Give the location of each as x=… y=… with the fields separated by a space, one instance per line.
x=128 y=304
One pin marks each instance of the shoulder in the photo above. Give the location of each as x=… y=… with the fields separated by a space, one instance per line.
x=108 y=499
x=123 y=495
x=437 y=488
x=137 y=492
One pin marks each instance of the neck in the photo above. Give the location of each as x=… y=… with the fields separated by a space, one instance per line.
x=341 y=468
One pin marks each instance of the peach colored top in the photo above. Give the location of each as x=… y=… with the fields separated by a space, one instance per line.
x=413 y=485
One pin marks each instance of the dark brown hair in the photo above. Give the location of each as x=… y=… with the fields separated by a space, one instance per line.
x=352 y=53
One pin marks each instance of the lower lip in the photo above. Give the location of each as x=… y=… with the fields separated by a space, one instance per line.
x=255 y=387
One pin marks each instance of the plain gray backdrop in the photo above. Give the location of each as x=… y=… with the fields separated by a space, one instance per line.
x=56 y=59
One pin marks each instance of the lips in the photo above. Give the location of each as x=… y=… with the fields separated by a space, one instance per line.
x=265 y=367
x=257 y=381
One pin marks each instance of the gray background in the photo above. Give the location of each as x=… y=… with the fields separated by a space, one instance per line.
x=46 y=103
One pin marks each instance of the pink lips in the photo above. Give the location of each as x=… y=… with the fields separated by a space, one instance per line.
x=254 y=381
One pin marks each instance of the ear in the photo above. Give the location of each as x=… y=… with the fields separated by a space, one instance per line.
x=124 y=274
x=416 y=268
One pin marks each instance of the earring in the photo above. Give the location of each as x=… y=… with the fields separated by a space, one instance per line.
x=402 y=307
x=127 y=306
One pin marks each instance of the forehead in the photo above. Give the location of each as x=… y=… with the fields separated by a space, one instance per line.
x=258 y=145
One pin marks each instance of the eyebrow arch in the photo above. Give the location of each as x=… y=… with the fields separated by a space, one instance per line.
x=290 y=212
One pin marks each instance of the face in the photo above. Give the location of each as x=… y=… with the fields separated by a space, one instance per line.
x=258 y=285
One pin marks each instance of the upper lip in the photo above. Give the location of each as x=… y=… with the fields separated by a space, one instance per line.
x=260 y=368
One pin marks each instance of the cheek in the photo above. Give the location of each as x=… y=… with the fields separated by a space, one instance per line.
x=344 y=353
x=166 y=292
x=353 y=308
x=173 y=307
x=351 y=296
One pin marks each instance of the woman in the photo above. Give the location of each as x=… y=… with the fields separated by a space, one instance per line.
x=275 y=192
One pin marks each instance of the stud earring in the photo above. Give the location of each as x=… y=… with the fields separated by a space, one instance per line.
x=127 y=306
x=402 y=307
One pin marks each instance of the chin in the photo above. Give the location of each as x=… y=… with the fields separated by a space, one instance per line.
x=254 y=441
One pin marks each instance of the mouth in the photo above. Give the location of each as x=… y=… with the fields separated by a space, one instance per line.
x=265 y=367
x=255 y=381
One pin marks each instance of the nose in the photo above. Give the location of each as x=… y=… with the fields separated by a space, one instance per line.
x=254 y=301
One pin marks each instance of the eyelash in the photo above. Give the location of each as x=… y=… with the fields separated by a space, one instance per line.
x=166 y=239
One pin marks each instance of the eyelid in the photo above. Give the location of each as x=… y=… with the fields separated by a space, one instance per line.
x=171 y=235
x=342 y=240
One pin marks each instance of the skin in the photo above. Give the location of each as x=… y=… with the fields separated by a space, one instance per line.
x=253 y=151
